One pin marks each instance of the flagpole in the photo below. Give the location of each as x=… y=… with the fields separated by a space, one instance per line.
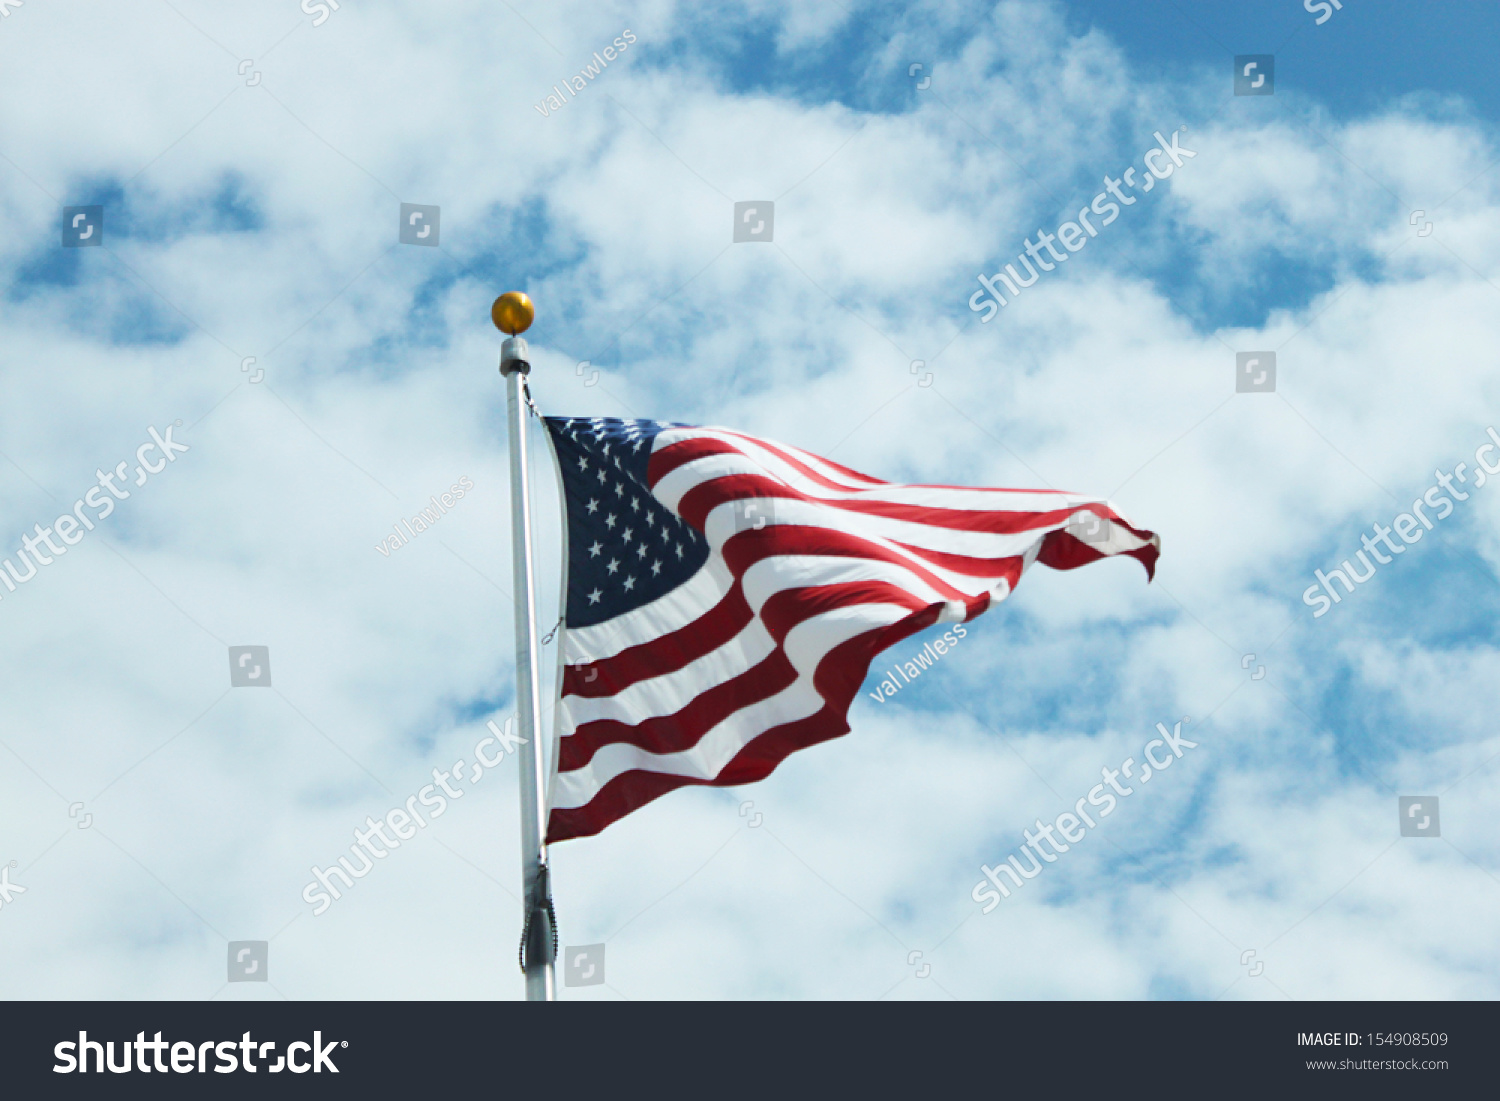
x=513 y=314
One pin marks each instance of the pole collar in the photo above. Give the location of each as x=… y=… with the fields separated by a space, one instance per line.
x=515 y=356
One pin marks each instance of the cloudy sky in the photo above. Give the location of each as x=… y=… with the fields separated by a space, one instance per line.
x=249 y=291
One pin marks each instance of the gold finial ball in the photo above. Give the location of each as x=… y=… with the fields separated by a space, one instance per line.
x=513 y=313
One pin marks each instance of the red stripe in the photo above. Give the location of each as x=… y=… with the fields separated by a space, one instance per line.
x=774 y=673
x=840 y=671
x=668 y=653
x=776 y=540
x=839 y=675
x=663 y=654
x=788 y=456
x=704 y=497
x=1062 y=551
x=786 y=453
x=674 y=651
x=679 y=454
x=1007 y=568
x=682 y=730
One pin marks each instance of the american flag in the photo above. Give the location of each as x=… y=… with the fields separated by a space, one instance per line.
x=726 y=594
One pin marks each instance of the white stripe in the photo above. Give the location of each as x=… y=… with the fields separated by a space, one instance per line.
x=672 y=691
x=764 y=451
x=769 y=576
x=809 y=642
x=671 y=488
x=805 y=645
x=724 y=521
x=667 y=613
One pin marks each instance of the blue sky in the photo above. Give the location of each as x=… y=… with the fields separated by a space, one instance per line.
x=1359 y=60
x=257 y=222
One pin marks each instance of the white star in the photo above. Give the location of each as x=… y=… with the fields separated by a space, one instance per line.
x=627 y=535
x=593 y=505
x=595 y=549
x=583 y=464
x=601 y=476
x=650 y=520
x=666 y=536
x=609 y=521
x=641 y=550
x=679 y=550
x=655 y=568
x=619 y=489
x=635 y=504
x=614 y=565
x=594 y=596
x=629 y=583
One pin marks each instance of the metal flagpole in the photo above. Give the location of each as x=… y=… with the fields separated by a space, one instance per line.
x=513 y=314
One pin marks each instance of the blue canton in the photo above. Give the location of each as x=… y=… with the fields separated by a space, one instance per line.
x=625 y=548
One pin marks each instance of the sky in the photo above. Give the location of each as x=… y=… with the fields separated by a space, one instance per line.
x=246 y=295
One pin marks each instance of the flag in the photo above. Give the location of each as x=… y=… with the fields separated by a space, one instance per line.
x=725 y=596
